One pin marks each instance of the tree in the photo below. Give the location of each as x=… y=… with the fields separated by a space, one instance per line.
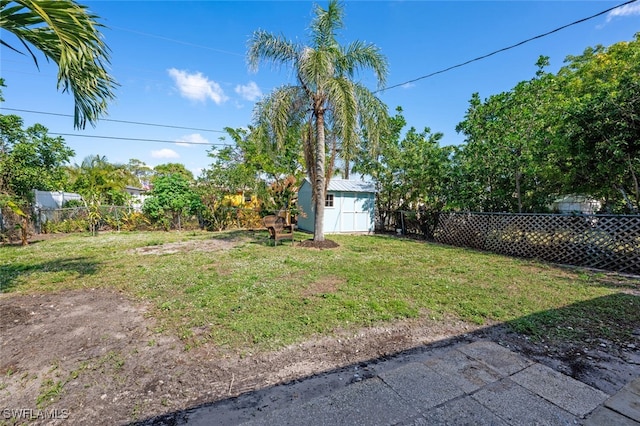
x=411 y=173
x=503 y=165
x=171 y=197
x=325 y=98
x=68 y=34
x=171 y=169
x=599 y=140
x=141 y=171
x=101 y=181
x=576 y=132
x=29 y=159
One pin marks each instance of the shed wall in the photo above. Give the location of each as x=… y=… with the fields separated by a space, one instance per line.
x=351 y=211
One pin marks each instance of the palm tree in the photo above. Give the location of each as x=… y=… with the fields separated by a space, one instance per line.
x=97 y=178
x=325 y=97
x=66 y=33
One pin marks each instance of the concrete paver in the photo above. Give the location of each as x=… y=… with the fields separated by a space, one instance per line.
x=604 y=416
x=564 y=391
x=463 y=371
x=461 y=411
x=479 y=383
x=497 y=357
x=420 y=385
x=519 y=406
x=369 y=402
x=626 y=403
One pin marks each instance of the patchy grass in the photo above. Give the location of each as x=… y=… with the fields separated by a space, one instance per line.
x=251 y=295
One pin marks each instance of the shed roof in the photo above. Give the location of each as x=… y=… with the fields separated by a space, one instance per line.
x=343 y=185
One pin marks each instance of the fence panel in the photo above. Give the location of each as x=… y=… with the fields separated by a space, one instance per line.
x=609 y=242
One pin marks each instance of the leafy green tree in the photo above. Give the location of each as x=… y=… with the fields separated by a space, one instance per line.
x=599 y=140
x=98 y=179
x=141 y=171
x=325 y=97
x=171 y=197
x=576 y=132
x=172 y=169
x=503 y=164
x=68 y=34
x=29 y=159
x=411 y=173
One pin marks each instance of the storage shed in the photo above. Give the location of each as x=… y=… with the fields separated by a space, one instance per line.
x=349 y=207
x=576 y=204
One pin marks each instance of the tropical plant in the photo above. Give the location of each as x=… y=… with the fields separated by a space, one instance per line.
x=68 y=34
x=167 y=169
x=326 y=99
x=172 y=196
x=599 y=140
x=97 y=178
x=29 y=159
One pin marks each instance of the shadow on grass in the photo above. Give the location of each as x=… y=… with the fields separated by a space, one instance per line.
x=560 y=338
x=614 y=318
x=10 y=274
x=14 y=244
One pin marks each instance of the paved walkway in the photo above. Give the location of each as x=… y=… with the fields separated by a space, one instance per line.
x=479 y=383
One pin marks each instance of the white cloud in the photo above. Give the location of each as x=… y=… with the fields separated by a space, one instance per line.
x=408 y=85
x=627 y=10
x=197 y=87
x=197 y=171
x=164 y=153
x=250 y=92
x=194 y=138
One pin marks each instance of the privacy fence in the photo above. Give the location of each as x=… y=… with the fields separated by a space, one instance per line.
x=609 y=242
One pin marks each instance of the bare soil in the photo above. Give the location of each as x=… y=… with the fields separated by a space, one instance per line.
x=94 y=354
x=326 y=244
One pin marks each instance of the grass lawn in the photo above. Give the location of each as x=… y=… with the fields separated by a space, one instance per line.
x=254 y=296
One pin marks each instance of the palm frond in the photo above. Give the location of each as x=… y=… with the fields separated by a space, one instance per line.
x=325 y=24
x=66 y=33
x=358 y=56
x=275 y=49
x=279 y=110
x=373 y=116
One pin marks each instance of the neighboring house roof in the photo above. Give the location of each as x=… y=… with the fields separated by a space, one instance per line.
x=342 y=185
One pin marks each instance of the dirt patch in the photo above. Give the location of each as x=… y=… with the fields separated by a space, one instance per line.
x=326 y=244
x=184 y=246
x=94 y=356
x=325 y=285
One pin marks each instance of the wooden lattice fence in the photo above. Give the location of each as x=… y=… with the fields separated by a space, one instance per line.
x=609 y=242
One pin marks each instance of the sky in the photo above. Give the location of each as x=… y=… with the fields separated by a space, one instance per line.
x=182 y=65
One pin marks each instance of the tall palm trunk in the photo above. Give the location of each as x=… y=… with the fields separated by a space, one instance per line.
x=319 y=187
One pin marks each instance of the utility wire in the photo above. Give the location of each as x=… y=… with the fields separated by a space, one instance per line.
x=117 y=121
x=136 y=139
x=186 y=43
x=506 y=48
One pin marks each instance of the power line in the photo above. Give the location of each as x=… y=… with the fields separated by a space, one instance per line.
x=506 y=48
x=118 y=121
x=136 y=139
x=178 y=41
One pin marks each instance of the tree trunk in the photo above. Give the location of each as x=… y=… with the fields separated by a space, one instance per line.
x=319 y=184
x=518 y=190
x=636 y=185
x=24 y=231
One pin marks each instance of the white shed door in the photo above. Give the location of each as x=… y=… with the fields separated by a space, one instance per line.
x=355 y=218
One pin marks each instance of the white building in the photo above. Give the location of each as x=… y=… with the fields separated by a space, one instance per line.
x=349 y=207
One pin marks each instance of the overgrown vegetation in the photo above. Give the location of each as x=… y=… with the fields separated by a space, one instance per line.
x=256 y=296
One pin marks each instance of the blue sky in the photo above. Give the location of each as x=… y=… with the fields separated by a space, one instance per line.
x=183 y=64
